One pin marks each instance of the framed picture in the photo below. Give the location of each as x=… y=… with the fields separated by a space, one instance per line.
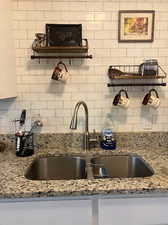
x=63 y=35
x=136 y=26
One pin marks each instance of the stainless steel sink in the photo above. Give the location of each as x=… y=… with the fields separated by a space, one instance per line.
x=69 y=167
x=120 y=166
x=57 y=168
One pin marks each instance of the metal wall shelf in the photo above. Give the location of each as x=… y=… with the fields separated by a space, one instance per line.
x=131 y=72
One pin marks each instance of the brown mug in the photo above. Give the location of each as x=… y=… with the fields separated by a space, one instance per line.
x=120 y=100
x=60 y=73
x=151 y=100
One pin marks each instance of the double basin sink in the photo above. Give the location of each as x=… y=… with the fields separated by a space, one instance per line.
x=75 y=167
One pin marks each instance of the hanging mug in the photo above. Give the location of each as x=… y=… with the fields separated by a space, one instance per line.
x=60 y=72
x=122 y=101
x=151 y=100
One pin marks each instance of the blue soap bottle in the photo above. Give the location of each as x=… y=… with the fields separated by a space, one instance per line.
x=108 y=141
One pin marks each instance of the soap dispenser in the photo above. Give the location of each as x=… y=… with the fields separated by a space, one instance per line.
x=108 y=141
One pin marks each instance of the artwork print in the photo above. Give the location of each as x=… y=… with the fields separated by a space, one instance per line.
x=136 y=26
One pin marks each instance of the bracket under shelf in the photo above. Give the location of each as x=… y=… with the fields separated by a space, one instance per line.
x=135 y=84
x=61 y=57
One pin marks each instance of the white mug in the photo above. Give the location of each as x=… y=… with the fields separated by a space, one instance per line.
x=154 y=101
x=60 y=74
x=151 y=100
x=122 y=101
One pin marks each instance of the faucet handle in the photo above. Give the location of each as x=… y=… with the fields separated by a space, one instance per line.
x=94 y=138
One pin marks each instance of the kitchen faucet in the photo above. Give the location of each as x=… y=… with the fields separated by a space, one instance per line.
x=74 y=122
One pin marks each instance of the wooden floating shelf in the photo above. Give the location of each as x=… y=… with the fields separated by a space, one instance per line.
x=72 y=49
x=67 y=50
x=62 y=49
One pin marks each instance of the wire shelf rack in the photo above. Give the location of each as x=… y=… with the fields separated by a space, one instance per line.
x=132 y=72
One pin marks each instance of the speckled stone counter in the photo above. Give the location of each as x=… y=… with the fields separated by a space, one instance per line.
x=13 y=183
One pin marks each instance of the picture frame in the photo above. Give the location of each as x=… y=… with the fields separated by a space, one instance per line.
x=136 y=26
x=63 y=35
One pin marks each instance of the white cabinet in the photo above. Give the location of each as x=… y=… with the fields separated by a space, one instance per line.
x=120 y=211
x=133 y=211
x=60 y=212
x=7 y=52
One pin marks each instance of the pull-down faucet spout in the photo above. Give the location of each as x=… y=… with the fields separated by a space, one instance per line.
x=74 y=122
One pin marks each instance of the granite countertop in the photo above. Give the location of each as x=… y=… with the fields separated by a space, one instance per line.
x=13 y=184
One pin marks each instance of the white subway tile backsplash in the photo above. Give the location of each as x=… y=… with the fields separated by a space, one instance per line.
x=118 y=52
x=42 y=5
x=91 y=6
x=103 y=35
x=132 y=52
x=160 y=7
x=161 y=26
x=53 y=16
x=90 y=16
x=25 y=44
x=163 y=35
x=94 y=25
x=60 y=5
x=127 y=60
x=26 y=5
x=144 y=6
x=159 y=43
x=55 y=105
x=35 y=15
x=39 y=105
x=47 y=113
x=102 y=16
x=110 y=25
x=111 y=6
x=20 y=35
x=55 y=101
x=163 y=51
x=129 y=6
x=101 y=52
x=96 y=44
x=149 y=53
x=76 y=6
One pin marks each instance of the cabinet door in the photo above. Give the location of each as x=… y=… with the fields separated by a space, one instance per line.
x=65 y=212
x=7 y=52
x=133 y=211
